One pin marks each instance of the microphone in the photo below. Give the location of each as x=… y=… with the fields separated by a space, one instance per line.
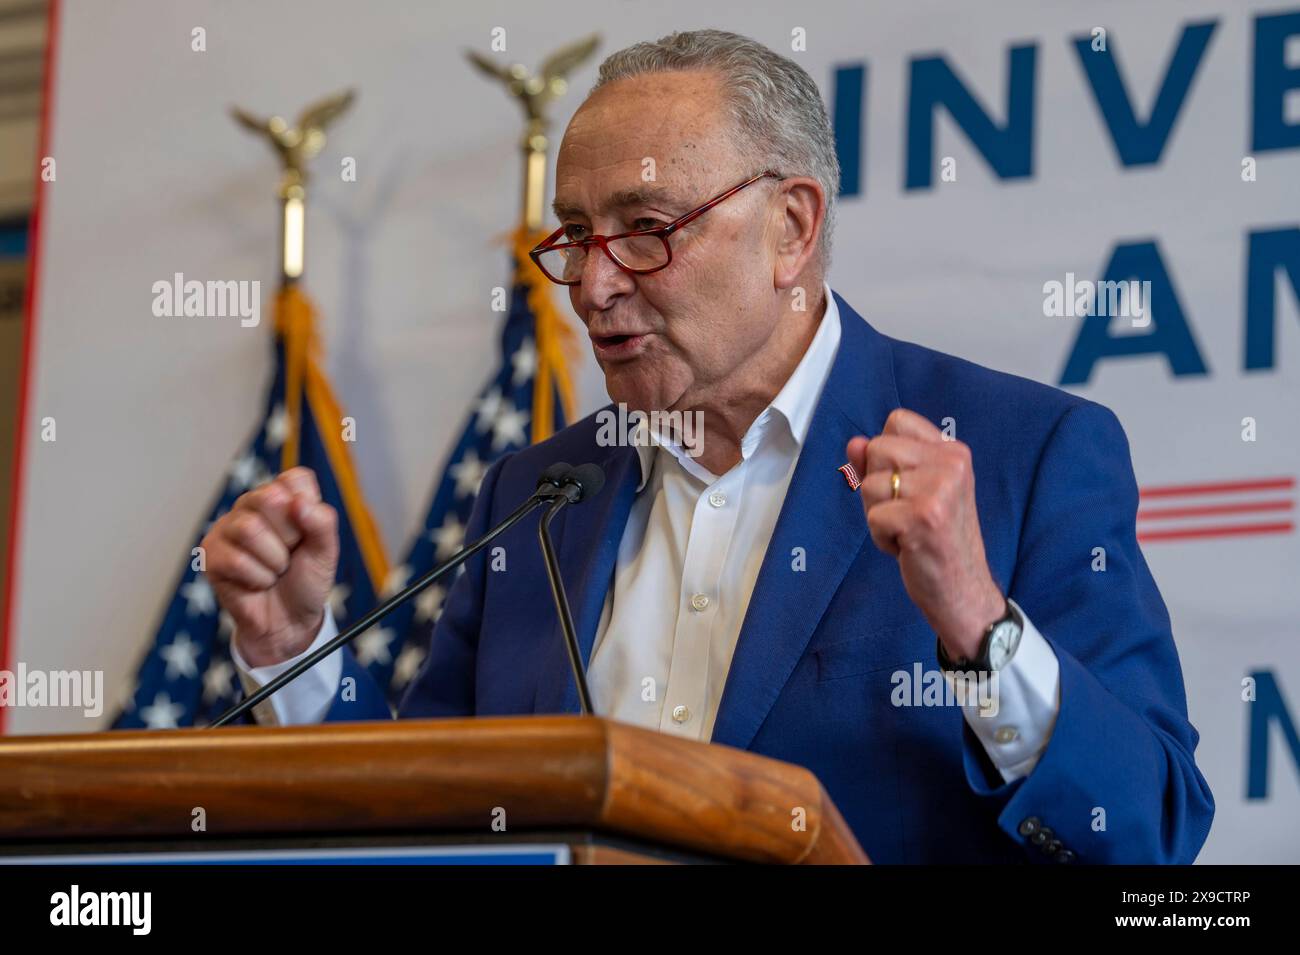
x=551 y=480
x=556 y=482
x=581 y=483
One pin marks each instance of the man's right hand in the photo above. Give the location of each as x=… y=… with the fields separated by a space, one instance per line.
x=271 y=562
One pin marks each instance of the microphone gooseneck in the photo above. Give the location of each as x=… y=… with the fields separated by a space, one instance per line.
x=580 y=484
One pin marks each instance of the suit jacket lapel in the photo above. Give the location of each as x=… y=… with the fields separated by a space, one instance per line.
x=587 y=536
x=821 y=515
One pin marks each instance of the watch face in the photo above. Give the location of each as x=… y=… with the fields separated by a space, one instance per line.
x=1003 y=643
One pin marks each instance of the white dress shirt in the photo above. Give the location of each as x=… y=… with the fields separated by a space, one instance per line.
x=686 y=568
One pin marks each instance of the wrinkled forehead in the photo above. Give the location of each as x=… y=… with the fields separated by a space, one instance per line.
x=657 y=140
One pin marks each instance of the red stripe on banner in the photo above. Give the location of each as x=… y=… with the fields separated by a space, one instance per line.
x=30 y=299
x=1168 y=513
x=1225 y=531
x=1227 y=487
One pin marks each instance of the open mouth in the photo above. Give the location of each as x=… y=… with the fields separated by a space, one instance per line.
x=617 y=346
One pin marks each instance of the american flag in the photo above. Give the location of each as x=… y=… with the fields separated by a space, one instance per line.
x=187 y=677
x=529 y=397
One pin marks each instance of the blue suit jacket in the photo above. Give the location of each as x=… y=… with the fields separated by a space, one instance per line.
x=810 y=681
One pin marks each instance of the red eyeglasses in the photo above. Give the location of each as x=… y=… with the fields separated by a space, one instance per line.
x=637 y=253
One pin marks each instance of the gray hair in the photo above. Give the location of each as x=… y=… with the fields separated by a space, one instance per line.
x=774 y=105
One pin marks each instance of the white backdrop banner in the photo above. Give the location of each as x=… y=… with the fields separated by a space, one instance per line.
x=1001 y=163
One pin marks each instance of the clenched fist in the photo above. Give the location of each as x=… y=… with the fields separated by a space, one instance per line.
x=931 y=526
x=271 y=563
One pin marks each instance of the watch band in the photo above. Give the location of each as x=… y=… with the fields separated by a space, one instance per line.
x=981 y=662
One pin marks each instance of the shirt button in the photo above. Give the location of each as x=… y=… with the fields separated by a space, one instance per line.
x=681 y=714
x=700 y=601
x=717 y=499
x=1007 y=734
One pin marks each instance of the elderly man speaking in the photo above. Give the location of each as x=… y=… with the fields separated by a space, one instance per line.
x=806 y=578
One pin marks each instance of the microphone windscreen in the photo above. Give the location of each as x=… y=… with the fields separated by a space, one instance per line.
x=590 y=478
x=555 y=474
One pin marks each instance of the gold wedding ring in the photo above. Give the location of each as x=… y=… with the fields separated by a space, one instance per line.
x=895 y=483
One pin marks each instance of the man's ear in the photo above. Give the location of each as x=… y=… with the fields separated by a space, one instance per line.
x=803 y=211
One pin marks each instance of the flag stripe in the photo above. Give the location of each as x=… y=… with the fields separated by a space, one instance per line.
x=1223 y=531
x=1253 y=507
x=1225 y=487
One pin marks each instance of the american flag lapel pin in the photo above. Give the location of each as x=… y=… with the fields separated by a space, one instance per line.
x=850 y=475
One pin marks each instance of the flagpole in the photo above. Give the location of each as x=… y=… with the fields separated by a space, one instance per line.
x=296 y=146
x=293 y=233
x=535 y=91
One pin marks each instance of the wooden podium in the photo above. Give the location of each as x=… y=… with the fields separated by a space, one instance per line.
x=595 y=790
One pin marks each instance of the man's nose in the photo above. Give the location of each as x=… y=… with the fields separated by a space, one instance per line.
x=602 y=280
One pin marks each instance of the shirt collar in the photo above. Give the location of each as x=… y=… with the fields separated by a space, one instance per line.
x=795 y=402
